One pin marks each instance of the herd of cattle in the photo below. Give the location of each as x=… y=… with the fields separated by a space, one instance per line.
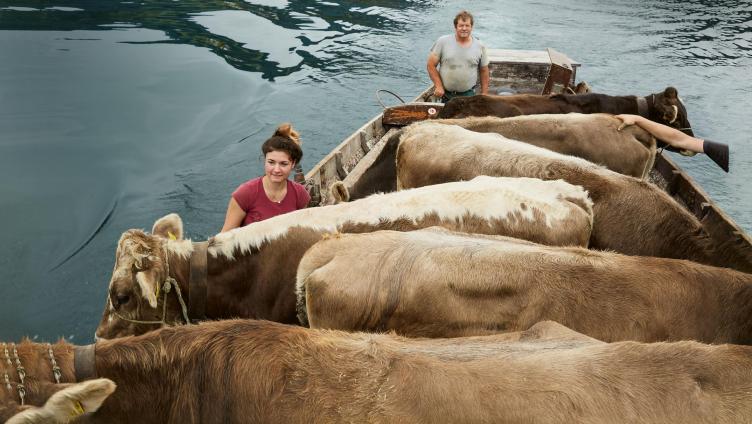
x=484 y=269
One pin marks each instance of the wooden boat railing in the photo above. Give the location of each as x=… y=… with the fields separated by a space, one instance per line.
x=343 y=159
x=669 y=176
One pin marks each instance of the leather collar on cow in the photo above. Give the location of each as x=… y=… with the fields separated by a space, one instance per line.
x=642 y=107
x=197 y=284
x=83 y=362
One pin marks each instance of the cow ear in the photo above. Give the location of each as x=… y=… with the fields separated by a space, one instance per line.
x=69 y=402
x=339 y=192
x=169 y=226
x=148 y=283
x=671 y=93
x=92 y=393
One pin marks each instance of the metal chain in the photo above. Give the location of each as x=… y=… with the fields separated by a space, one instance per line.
x=21 y=373
x=10 y=364
x=55 y=369
x=19 y=368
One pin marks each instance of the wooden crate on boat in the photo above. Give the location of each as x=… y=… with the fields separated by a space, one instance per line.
x=524 y=71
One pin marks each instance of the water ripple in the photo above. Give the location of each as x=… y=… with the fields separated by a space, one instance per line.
x=274 y=38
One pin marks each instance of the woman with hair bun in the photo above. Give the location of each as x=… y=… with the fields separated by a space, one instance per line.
x=271 y=194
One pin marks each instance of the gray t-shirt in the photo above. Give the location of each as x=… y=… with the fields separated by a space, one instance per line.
x=459 y=65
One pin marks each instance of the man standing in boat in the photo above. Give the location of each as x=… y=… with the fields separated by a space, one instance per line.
x=460 y=58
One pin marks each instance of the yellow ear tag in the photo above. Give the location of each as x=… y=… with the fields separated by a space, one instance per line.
x=171 y=236
x=78 y=409
x=156 y=292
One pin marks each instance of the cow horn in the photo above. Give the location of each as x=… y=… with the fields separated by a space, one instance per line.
x=339 y=192
x=675 y=115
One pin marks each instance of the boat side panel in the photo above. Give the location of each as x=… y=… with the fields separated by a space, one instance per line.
x=667 y=175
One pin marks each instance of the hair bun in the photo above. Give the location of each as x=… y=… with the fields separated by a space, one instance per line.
x=285 y=130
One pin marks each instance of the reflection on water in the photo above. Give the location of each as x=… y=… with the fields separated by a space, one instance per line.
x=294 y=35
x=113 y=114
x=704 y=33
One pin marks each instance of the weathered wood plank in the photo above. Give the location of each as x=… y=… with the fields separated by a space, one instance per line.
x=716 y=223
x=368 y=160
x=406 y=114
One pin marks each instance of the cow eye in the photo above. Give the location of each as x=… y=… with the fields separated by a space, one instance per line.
x=121 y=299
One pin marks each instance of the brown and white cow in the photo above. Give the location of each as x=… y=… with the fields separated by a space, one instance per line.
x=251 y=270
x=665 y=107
x=631 y=216
x=594 y=137
x=256 y=371
x=436 y=283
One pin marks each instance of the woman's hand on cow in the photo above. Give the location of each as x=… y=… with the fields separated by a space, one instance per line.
x=668 y=135
x=627 y=120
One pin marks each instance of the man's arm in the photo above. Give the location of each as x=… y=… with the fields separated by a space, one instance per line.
x=433 y=73
x=485 y=76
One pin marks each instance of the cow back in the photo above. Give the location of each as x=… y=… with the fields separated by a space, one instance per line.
x=435 y=283
x=594 y=137
x=631 y=216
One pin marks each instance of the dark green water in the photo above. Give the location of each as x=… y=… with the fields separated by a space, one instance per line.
x=113 y=114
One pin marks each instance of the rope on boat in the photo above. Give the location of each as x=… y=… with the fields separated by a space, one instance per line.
x=378 y=97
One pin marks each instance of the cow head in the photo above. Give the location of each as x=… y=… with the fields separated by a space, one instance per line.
x=136 y=288
x=668 y=109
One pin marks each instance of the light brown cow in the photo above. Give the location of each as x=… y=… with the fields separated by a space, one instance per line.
x=435 y=283
x=631 y=216
x=257 y=371
x=251 y=270
x=594 y=137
